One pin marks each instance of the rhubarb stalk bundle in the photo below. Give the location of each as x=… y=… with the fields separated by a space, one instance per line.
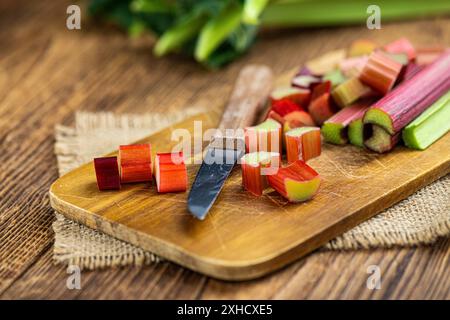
x=346 y=125
x=386 y=118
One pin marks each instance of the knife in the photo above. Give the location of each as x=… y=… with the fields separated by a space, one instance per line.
x=251 y=90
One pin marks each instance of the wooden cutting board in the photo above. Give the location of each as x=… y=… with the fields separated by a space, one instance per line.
x=244 y=237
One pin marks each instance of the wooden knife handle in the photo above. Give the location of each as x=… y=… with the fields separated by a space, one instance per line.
x=250 y=93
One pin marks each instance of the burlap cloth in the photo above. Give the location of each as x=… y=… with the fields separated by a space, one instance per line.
x=419 y=219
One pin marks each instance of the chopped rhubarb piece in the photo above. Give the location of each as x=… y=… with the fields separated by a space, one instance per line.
x=303 y=143
x=135 y=163
x=297 y=119
x=320 y=107
x=432 y=124
x=361 y=47
x=326 y=63
x=352 y=67
x=256 y=166
x=297 y=182
x=336 y=77
x=264 y=137
x=380 y=72
x=284 y=107
x=275 y=116
x=296 y=95
x=401 y=45
x=321 y=89
x=305 y=81
x=170 y=172
x=107 y=173
x=401 y=58
x=348 y=92
x=409 y=99
x=334 y=130
x=426 y=56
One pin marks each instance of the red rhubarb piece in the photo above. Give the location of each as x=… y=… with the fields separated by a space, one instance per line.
x=284 y=107
x=256 y=166
x=107 y=173
x=320 y=107
x=295 y=95
x=297 y=119
x=303 y=144
x=426 y=56
x=275 y=116
x=380 y=72
x=170 y=172
x=135 y=163
x=297 y=182
x=264 y=137
x=401 y=45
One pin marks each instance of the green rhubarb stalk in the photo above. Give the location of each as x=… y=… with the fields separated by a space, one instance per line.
x=217 y=30
x=151 y=6
x=432 y=124
x=252 y=11
x=178 y=35
x=356 y=133
x=331 y=12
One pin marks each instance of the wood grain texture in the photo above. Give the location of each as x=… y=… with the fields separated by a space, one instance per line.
x=46 y=75
x=244 y=237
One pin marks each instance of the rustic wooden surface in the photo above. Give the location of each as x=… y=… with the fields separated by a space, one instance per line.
x=48 y=72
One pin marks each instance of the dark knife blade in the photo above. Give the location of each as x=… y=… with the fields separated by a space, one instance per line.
x=251 y=90
x=215 y=169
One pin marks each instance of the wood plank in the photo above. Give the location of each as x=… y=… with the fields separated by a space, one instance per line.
x=408 y=273
x=46 y=76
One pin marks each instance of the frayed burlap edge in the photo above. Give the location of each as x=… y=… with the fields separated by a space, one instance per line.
x=420 y=219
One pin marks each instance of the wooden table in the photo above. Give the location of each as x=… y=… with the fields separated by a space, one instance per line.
x=47 y=72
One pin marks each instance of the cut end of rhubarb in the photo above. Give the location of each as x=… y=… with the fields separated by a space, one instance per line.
x=356 y=133
x=379 y=117
x=334 y=133
x=301 y=191
x=378 y=139
x=297 y=182
x=264 y=137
